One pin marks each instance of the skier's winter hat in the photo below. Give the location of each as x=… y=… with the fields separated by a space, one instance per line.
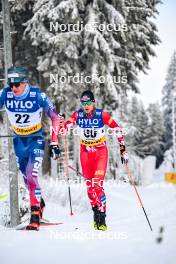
x=86 y=96
x=17 y=74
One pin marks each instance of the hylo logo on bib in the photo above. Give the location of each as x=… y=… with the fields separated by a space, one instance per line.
x=88 y=121
x=20 y=104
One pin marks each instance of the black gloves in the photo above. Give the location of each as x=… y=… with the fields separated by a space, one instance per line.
x=123 y=154
x=61 y=119
x=55 y=152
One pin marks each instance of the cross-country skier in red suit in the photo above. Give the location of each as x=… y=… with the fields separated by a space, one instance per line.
x=91 y=122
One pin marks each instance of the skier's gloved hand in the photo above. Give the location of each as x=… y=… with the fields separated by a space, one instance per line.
x=61 y=119
x=63 y=130
x=55 y=152
x=123 y=154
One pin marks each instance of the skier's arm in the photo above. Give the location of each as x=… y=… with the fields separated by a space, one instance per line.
x=50 y=110
x=71 y=121
x=109 y=121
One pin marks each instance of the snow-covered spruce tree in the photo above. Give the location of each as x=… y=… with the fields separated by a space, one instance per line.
x=121 y=115
x=95 y=52
x=146 y=130
x=167 y=99
x=156 y=127
x=133 y=123
x=140 y=38
x=60 y=50
x=140 y=141
x=23 y=52
x=123 y=109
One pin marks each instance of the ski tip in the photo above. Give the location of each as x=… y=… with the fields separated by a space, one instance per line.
x=51 y=224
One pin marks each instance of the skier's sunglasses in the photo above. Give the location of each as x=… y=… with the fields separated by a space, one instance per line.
x=15 y=84
x=86 y=103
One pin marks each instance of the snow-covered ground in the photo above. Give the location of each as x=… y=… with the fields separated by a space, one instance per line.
x=127 y=240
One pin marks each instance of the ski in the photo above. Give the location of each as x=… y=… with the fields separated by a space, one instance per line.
x=42 y=224
x=51 y=224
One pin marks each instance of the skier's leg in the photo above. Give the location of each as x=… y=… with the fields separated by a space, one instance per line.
x=34 y=163
x=21 y=165
x=21 y=157
x=99 y=175
x=42 y=206
x=87 y=165
x=36 y=153
x=94 y=178
x=100 y=167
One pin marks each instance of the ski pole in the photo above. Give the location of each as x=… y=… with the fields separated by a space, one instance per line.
x=132 y=180
x=75 y=170
x=79 y=173
x=67 y=173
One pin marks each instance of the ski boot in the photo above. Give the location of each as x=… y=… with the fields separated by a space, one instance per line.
x=95 y=217
x=99 y=219
x=35 y=219
x=42 y=206
x=101 y=222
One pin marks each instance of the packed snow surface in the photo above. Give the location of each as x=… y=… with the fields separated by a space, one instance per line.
x=127 y=240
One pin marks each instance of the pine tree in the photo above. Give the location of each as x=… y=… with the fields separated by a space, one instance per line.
x=133 y=123
x=140 y=140
x=111 y=54
x=167 y=100
x=156 y=126
x=141 y=36
x=146 y=130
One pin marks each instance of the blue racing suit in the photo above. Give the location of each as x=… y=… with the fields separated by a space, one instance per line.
x=25 y=114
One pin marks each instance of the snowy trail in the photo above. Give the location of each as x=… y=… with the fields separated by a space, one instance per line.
x=128 y=239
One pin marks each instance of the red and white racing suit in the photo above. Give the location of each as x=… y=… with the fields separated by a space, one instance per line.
x=93 y=150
